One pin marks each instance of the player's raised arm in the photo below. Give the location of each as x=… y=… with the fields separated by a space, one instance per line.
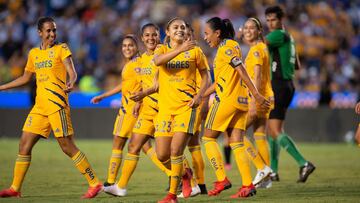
x=115 y=90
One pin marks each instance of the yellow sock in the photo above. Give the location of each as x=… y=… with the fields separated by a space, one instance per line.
x=83 y=165
x=152 y=155
x=214 y=155
x=198 y=163
x=253 y=154
x=114 y=165
x=242 y=162
x=176 y=171
x=21 y=166
x=193 y=182
x=128 y=168
x=262 y=146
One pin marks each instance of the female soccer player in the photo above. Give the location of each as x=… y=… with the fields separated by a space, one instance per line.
x=125 y=119
x=144 y=127
x=229 y=111
x=51 y=63
x=257 y=64
x=357 y=134
x=178 y=62
x=284 y=61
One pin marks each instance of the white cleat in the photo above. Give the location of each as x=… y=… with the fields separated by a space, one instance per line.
x=115 y=190
x=267 y=183
x=194 y=191
x=262 y=175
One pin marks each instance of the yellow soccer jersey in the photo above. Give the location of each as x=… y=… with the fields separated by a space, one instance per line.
x=50 y=78
x=130 y=83
x=259 y=55
x=228 y=84
x=147 y=74
x=177 y=79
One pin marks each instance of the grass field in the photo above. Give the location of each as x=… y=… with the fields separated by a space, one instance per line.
x=53 y=178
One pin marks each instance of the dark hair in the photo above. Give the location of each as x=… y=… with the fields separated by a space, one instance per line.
x=275 y=9
x=224 y=25
x=42 y=20
x=149 y=25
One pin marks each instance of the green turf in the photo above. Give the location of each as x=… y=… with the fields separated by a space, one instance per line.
x=53 y=178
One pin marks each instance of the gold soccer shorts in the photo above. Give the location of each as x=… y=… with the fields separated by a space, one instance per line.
x=124 y=124
x=59 y=122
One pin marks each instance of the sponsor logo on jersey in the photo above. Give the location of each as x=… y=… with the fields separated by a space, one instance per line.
x=178 y=64
x=43 y=64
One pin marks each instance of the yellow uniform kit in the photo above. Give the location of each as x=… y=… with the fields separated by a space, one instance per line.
x=149 y=109
x=259 y=55
x=51 y=109
x=177 y=87
x=231 y=105
x=130 y=84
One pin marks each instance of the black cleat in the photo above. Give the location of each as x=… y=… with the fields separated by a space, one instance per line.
x=305 y=171
x=203 y=189
x=106 y=184
x=275 y=177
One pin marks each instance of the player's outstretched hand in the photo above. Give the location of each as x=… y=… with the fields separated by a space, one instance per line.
x=137 y=96
x=195 y=102
x=69 y=87
x=96 y=100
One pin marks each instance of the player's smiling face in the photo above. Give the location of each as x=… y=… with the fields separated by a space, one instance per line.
x=177 y=30
x=251 y=32
x=212 y=37
x=48 y=33
x=151 y=38
x=129 y=48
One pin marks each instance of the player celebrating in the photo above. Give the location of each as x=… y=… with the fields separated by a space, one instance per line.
x=178 y=60
x=229 y=111
x=283 y=63
x=125 y=119
x=144 y=127
x=51 y=63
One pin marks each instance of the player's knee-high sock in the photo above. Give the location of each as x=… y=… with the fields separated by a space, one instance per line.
x=253 y=154
x=114 y=165
x=21 y=166
x=262 y=146
x=274 y=154
x=152 y=155
x=128 y=169
x=176 y=171
x=242 y=162
x=198 y=163
x=214 y=155
x=83 y=165
x=287 y=143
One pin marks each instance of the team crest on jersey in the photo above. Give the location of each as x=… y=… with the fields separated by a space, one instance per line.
x=256 y=54
x=186 y=54
x=137 y=70
x=228 y=52
x=51 y=54
x=64 y=46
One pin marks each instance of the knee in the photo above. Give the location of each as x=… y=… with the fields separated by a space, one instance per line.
x=134 y=148
x=176 y=151
x=69 y=149
x=163 y=156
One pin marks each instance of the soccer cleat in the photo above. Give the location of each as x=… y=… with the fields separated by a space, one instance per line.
x=170 y=198
x=9 y=193
x=261 y=175
x=274 y=177
x=107 y=184
x=267 y=183
x=186 y=183
x=93 y=191
x=219 y=186
x=194 y=191
x=203 y=189
x=305 y=171
x=245 y=191
x=115 y=191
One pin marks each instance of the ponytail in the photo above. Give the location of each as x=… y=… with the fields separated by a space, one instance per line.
x=225 y=26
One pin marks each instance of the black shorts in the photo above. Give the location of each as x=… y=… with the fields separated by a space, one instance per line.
x=283 y=92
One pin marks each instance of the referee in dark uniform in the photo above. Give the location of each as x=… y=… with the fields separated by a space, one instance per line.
x=284 y=61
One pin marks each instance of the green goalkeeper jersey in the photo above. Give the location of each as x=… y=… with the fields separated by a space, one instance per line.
x=282 y=54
